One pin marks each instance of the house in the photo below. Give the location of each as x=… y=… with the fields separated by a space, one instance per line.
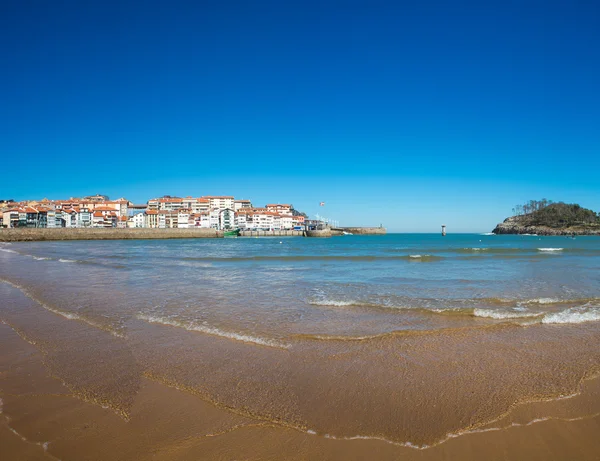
x=202 y=220
x=55 y=219
x=226 y=218
x=183 y=217
x=10 y=218
x=241 y=204
x=287 y=222
x=166 y=203
x=281 y=209
x=137 y=220
x=220 y=201
x=150 y=219
x=213 y=216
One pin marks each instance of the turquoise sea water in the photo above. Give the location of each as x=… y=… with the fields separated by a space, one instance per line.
x=275 y=288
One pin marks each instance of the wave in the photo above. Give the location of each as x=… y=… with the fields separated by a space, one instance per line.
x=67 y=260
x=424 y=258
x=65 y=314
x=327 y=302
x=191 y=326
x=550 y=249
x=8 y=250
x=502 y=315
x=573 y=315
x=488 y=233
x=309 y=258
x=547 y=301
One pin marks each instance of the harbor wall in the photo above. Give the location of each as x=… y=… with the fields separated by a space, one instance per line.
x=364 y=230
x=24 y=235
x=319 y=233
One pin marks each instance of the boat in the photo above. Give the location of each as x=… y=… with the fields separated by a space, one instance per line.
x=231 y=233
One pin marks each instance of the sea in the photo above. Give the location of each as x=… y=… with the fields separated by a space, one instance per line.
x=409 y=339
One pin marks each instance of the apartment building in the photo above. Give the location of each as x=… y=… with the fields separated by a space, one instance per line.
x=282 y=209
x=220 y=201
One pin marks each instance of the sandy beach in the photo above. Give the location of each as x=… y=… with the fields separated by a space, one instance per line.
x=43 y=419
x=252 y=349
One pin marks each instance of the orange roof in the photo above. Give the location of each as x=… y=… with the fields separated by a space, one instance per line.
x=104 y=208
x=275 y=206
x=151 y=212
x=97 y=214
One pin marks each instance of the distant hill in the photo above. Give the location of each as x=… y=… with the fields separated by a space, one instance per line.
x=549 y=218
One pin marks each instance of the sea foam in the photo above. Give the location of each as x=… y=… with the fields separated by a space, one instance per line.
x=190 y=326
x=332 y=302
x=550 y=249
x=502 y=315
x=573 y=315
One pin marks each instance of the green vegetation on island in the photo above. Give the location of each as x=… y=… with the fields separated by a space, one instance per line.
x=545 y=217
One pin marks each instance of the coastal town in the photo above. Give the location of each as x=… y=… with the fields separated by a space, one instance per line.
x=98 y=211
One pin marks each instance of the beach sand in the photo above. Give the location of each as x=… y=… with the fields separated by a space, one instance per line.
x=43 y=419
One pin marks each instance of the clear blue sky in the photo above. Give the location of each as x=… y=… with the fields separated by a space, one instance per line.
x=410 y=114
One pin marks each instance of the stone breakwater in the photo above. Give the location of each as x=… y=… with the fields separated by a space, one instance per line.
x=25 y=235
x=513 y=225
x=365 y=230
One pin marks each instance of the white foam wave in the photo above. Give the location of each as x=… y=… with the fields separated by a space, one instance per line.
x=542 y=301
x=502 y=315
x=476 y=249
x=332 y=302
x=190 y=326
x=415 y=256
x=550 y=249
x=488 y=233
x=7 y=250
x=67 y=260
x=573 y=315
x=39 y=258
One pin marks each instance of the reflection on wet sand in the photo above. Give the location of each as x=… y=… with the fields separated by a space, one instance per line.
x=179 y=393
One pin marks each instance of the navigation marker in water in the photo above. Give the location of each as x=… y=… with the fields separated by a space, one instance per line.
x=443 y=230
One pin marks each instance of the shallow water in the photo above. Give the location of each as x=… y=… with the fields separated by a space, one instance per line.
x=409 y=339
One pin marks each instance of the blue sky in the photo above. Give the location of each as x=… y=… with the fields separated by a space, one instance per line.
x=410 y=114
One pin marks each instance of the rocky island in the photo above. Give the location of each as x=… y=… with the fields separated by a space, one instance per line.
x=544 y=217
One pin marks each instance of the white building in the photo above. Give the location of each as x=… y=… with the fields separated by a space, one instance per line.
x=226 y=219
x=220 y=201
x=282 y=209
x=202 y=220
x=137 y=220
x=241 y=204
x=213 y=217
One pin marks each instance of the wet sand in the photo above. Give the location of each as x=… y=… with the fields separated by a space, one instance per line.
x=72 y=392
